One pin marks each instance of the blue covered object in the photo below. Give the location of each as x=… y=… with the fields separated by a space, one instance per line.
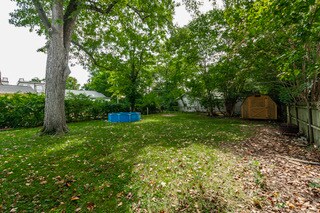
x=124 y=117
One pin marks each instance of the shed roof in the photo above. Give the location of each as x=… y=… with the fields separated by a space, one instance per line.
x=91 y=94
x=10 y=89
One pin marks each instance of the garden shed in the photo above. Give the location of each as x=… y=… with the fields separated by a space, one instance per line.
x=259 y=107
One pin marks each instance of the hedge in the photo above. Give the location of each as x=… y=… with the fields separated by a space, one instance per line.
x=27 y=110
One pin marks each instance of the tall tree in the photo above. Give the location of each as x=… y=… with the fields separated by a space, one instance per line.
x=78 y=22
x=126 y=54
x=57 y=20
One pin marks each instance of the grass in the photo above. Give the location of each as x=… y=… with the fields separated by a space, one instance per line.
x=160 y=164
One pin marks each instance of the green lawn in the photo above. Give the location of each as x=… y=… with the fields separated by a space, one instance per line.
x=160 y=164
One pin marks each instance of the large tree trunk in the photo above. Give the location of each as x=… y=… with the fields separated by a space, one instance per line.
x=56 y=74
x=57 y=71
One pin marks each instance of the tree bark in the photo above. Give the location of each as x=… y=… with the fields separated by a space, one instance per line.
x=230 y=105
x=57 y=71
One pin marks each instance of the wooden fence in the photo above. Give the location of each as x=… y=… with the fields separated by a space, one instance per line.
x=300 y=115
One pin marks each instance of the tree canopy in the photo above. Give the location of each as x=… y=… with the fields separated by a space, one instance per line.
x=73 y=25
x=72 y=83
x=133 y=50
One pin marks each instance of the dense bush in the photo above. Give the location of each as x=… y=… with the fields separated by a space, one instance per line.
x=21 y=110
x=27 y=110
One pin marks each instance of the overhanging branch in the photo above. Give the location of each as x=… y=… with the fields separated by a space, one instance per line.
x=69 y=19
x=97 y=8
x=42 y=14
x=138 y=12
x=89 y=54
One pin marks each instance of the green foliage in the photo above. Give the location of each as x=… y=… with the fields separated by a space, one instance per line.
x=260 y=178
x=72 y=83
x=27 y=110
x=150 y=103
x=279 y=44
x=21 y=110
x=314 y=184
x=99 y=82
x=127 y=69
x=36 y=79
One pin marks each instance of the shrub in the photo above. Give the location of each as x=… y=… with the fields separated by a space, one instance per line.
x=21 y=110
x=27 y=110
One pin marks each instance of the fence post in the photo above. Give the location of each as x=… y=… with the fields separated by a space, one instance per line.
x=310 y=129
x=288 y=115
x=297 y=114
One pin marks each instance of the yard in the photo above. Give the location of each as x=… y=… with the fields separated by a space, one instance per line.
x=164 y=163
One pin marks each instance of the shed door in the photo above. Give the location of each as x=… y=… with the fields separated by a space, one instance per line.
x=258 y=107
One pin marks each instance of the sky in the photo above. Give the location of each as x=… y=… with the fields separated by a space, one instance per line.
x=18 y=47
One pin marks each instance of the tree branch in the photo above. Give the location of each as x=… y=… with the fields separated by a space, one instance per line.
x=99 y=9
x=90 y=55
x=42 y=14
x=299 y=160
x=138 y=12
x=69 y=19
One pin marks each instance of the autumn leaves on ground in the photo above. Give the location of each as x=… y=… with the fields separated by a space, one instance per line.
x=177 y=163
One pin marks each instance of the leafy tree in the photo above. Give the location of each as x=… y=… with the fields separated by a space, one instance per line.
x=126 y=56
x=207 y=55
x=57 y=20
x=208 y=47
x=173 y=69
x=99 y=82
x=72 y=83
x=283 y=38
x=83 y=24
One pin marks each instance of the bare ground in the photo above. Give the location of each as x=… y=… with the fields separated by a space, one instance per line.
x=276 y=182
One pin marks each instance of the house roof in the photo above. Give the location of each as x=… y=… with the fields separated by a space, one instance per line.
x=10 y=89
x=91 y=94
x=30 y=82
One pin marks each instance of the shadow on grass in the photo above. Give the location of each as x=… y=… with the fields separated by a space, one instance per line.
x=115 y=167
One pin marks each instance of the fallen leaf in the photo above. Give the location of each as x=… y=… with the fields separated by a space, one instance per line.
x=13 y=210
x=291 y=206
x=90 y=206
x=120 y=194
x=75 y=198
x=43 y=182
x=129 y=195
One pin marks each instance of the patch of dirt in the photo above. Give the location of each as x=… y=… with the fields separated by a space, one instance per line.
x=275 y=181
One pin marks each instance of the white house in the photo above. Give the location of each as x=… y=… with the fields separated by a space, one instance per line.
x=90 y=93
x=186 y=104
x=39 y=87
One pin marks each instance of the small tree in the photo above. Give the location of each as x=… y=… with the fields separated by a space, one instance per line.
x=72 y=83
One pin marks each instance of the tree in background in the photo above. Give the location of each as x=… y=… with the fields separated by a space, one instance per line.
x=173 y=69
x=208 y=46
x=72 y=83
x=124 y=57
x=99 y=82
